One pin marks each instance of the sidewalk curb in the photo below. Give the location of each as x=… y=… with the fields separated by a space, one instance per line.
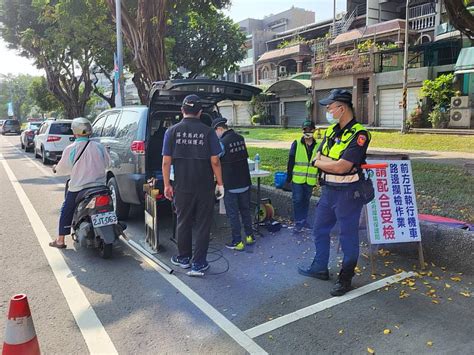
x=443 y=246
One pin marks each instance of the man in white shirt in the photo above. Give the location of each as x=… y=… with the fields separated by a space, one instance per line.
x=86 y=161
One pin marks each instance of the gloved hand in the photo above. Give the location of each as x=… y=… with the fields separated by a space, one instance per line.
x=219 y=192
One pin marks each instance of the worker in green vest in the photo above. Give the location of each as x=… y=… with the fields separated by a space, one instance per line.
x=302 y=174
x=339 y=159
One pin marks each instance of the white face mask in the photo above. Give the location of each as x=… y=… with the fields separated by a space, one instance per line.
x=308 y=134
x=331 y=118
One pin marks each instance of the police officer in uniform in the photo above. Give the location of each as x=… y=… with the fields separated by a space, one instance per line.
x=193 y=149
x=236 y=176
x=302 y=174
x=339 y=159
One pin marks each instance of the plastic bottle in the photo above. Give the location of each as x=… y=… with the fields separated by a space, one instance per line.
x=257 y=162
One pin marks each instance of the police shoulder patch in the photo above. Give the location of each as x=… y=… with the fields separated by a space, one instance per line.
x=361 y=139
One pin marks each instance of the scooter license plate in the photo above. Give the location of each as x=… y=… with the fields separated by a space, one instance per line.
x=104 y=219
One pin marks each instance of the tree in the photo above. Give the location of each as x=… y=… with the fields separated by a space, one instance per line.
x=39 y=93
x=206 y=43
x=15 y=88
x=65 y=38
x=460 y=17
x=145 y=26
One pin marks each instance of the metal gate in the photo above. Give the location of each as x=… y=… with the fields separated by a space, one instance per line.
x=296 y=112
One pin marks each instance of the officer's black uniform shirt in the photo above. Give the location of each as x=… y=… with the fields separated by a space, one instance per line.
x=191 y=144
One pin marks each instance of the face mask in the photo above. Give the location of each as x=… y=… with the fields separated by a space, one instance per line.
x=308 y=134
x=330 y=117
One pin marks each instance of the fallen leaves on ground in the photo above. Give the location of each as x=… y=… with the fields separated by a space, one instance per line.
x=455 y=278
x=465 y=294
x=387 y=331
x=429 y=343
x=370 y=351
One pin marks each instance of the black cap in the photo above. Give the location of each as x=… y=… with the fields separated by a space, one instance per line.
x=339 y=95
x=218 y=122
x=308 y=124
x=192 y=104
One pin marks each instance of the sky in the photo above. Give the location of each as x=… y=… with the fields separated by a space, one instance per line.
x=11 y=62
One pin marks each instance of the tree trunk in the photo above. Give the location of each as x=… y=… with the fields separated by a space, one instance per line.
x=460 y=17
x=144 y=34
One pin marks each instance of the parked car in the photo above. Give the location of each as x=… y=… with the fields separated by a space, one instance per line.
x=28 y=134
x=51 y=139
x=10 y=126
x=134 y=134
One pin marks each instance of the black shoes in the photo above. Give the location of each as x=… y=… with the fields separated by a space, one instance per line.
x=321 y=275
x=341 y=287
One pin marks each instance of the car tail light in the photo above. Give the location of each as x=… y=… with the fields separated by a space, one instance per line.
x=53 y=139
x=101 y=201
x=138 y=147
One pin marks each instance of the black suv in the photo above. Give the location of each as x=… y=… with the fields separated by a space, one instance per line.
x=10 y=126
x=134 y=134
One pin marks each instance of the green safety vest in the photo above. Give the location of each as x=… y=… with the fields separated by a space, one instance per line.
x=304 y=171
x=337 y=150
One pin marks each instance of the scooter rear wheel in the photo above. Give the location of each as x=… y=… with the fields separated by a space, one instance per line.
x=106 y=250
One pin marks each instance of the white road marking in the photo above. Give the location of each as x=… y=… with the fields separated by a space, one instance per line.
x=221 y=321
x=213 y=314
x=321 y=306
x=95 y=336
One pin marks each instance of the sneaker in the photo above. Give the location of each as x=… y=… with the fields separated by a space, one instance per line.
x=198 y=269
x=239 y=246
x=181 y=261
x=250 y=239
x=298 y=229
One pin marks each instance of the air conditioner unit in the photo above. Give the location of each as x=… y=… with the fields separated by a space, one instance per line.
x=460 y=102
x=460 y=118
x=282 y=70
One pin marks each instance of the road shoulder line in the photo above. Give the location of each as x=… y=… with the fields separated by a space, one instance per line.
x=323 y=305
x=93 y=331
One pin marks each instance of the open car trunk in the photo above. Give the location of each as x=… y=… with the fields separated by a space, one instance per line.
x=166 y=98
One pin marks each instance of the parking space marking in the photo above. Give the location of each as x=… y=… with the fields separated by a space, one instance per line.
x=93 y=331
x=321 y=306
x=213 y=314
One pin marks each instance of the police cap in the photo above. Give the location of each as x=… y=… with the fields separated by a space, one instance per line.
x=192 y=104
x=219 y=121
x=339 y=95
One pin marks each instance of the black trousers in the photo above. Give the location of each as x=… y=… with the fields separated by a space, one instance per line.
x=194 y=211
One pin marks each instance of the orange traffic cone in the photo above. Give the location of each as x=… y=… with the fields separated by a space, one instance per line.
x=20 y=334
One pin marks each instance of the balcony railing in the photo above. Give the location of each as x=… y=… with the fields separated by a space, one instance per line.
x=340 y=64
x=422 y=17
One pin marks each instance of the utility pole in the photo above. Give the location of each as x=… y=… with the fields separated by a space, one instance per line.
x=405 y=73
x=334 y=19
x=120 y=84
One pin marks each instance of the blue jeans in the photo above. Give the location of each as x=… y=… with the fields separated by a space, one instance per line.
x=301 y=197
x=337 y=205
x=238 y=205
x=67 y=213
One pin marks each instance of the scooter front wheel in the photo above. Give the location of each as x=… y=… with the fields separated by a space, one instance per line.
x=106 y=250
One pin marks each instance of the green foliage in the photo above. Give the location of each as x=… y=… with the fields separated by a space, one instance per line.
x=440 y=189
x=38 y=91
x=205 y=43
x=432 y=142
x=365 y=46
x=65 y=38
x=292 y=42
x=15 y=88
x=439 y=90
